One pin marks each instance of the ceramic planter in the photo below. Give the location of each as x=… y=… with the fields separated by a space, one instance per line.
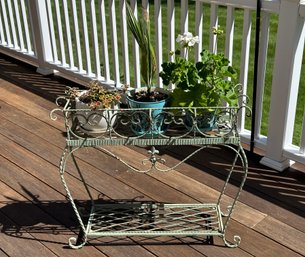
x=147 y=123
x=94 y=121
x=203 y=122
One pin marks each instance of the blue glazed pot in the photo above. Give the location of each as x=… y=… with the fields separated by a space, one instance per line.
x=203 y=122
x=147 y=123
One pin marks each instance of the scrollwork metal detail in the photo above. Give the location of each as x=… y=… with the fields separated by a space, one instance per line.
x=153 y=159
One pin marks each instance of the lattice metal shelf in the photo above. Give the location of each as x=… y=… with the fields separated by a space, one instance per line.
x=203 y=127
x=155 y=220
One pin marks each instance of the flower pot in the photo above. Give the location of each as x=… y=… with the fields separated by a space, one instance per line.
x=94 y=121
x=204 y=121
x=145 y=122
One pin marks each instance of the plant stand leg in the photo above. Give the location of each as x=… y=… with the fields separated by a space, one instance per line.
x=74 y=243
x=240 y=154
x=236 y=239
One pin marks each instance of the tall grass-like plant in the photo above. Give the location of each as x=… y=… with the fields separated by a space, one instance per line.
x=140 y=28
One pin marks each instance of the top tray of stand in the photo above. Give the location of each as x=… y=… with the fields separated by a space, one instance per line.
x=166 y=126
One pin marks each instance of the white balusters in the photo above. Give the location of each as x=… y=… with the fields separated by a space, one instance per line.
x=12 y=24
x=171 y=36
x=86 y=37
x=2 y=37
x=114 y=39
x=104 y=40
x=184 y=26
x=95 y=42
x=213 y=24
x=24 y=16
x=77 y=36
x=171 y=28
x=60 y=34
x=229 y=32
x=125 y=42
x=244 y=65
x=184 y=16
x=6 y=24
x=302 y=143
x=68 y=34
x=158 y=35
x=262 y=62
x=19 y=28
x=198 y=29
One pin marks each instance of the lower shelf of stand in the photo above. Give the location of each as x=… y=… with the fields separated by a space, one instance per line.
x=154 y=219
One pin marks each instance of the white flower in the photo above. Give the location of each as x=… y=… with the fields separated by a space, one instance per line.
x=217 y=31
x=187 y=39
x=193 y=41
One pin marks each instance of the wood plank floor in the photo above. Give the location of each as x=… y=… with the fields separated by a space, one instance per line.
x=37 y=220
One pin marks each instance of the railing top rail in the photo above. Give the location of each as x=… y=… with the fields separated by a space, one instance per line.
x=272 y=6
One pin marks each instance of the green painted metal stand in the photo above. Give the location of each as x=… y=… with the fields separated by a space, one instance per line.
x=175 y=126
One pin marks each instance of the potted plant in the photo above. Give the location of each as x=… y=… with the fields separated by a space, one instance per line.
x=89 y=102
x=207 y=83
x=146 y=97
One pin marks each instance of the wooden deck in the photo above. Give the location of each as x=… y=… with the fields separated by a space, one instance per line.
x=37 y=220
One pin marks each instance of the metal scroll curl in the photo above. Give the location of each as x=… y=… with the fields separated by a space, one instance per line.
x=149 y=123
x=153 y=162
x=62 y=103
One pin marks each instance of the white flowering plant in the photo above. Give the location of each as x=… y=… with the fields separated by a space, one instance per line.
x=187 y=40
x=199 y=84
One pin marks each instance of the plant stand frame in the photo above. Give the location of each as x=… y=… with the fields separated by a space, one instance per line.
x=151 y=219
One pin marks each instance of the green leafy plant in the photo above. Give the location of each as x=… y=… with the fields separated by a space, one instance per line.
x=96 y=96
x=202 y=84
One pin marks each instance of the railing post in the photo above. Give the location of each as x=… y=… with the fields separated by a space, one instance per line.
x=285 y=84
x=41 y=35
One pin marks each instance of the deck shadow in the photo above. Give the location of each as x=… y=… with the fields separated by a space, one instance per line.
x=28 y=220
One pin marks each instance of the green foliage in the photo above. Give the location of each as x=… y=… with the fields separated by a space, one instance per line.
x=206 y=83
x=140 y=28
x=96 y=96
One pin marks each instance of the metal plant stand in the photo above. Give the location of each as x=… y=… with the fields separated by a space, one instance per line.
x=151 y=127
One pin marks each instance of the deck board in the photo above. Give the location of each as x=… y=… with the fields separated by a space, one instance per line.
x=37 y=220
x=267 y=198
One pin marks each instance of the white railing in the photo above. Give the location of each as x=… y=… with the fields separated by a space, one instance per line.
x=88 y=39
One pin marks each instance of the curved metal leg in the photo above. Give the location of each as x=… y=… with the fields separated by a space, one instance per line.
x=229 y=176
x=73 y=241
x=240 y=154
x=236 y=239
